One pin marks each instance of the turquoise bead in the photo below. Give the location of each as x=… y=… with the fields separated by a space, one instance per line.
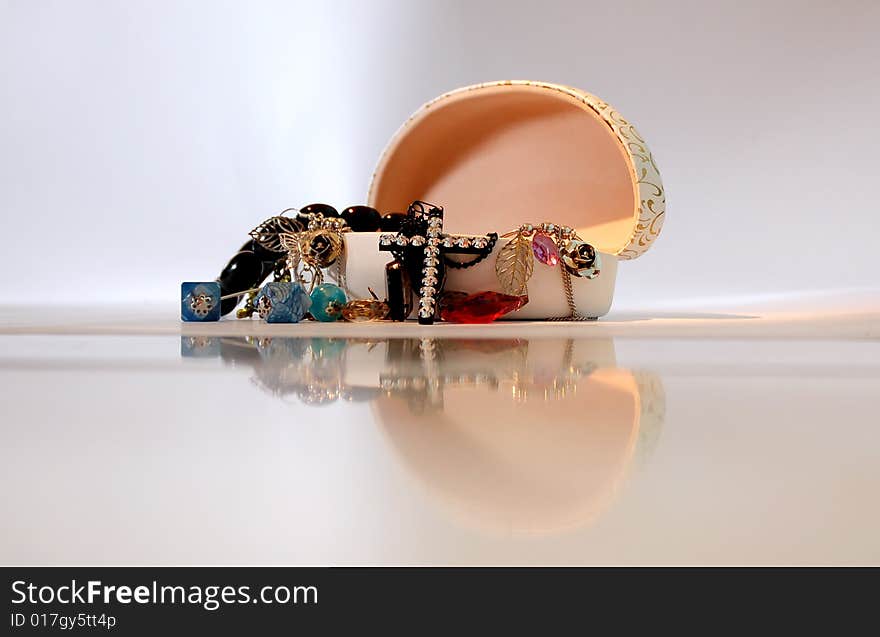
x=328 y=348
x=327 y=302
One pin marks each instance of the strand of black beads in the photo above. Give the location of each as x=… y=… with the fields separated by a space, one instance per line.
x=358 y=218
x=250 y=266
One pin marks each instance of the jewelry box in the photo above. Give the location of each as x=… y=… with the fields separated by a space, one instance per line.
x=501 y=154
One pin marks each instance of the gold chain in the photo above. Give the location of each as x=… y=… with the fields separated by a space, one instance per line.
x=573 y=314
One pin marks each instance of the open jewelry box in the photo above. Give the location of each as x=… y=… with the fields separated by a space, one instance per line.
x=501 y=154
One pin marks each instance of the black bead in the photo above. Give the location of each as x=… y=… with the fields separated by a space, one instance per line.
x=398 y=291
x=392 y=221
x=227 y=305
x=325 y=209
x=362 y=218
x=243 y=272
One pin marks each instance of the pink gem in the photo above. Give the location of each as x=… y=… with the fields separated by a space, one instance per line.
x=545 y=249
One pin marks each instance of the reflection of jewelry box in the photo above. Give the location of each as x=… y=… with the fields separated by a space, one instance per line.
x=500 y=154
x=516 y=436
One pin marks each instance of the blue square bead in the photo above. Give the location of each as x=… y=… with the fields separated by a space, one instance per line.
x=199 y=346
x=200 y=301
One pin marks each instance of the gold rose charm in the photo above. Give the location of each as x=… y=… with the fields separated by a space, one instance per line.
x=580 y=259
x=320 y=247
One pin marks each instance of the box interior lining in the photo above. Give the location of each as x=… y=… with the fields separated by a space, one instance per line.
x=501 y=156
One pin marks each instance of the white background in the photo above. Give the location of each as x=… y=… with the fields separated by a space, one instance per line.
x=139 y=141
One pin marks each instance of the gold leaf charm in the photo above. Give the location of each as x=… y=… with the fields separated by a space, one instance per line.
x=514 y=265
x=269 y=233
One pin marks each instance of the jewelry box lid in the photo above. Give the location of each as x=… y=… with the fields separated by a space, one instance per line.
x=499 y=154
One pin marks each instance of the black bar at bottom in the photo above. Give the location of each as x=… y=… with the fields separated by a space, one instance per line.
x=254 y=600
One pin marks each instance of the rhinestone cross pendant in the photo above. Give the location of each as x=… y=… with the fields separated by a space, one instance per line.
x=421 y=245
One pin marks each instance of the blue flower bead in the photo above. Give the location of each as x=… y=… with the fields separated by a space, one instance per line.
x=327 y=302
x=282 y=352
x=200 y=301
x=282 y=302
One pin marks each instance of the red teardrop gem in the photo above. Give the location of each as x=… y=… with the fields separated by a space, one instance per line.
x=482 y=307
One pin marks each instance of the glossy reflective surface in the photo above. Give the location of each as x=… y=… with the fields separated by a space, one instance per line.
x=568 y=447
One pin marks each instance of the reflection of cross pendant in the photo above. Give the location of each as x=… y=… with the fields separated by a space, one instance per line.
x=422 y=244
